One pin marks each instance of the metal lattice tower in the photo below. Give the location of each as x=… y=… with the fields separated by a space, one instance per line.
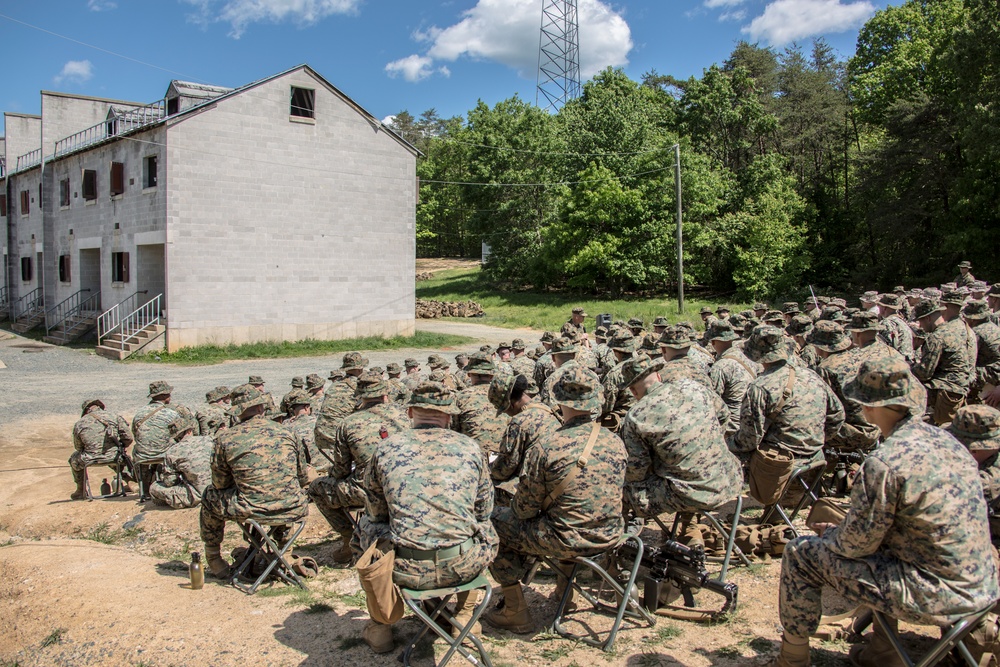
x=558 y=55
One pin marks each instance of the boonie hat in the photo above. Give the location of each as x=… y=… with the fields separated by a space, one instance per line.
x=88 y=402
x=829 y=336
x=371 y=385
x=500 y=388
x=885 y=381
x=433 y=396
x=159 y=388
x=480 y=363
x=640 y=367
x=579 y=389
x=977 y=427
x=353 y=361
x=246 y=396
x=766 y=345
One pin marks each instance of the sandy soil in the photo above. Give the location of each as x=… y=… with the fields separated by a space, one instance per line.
x=434 y=264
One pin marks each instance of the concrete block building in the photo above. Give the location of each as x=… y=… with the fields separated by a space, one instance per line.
x=280 y=210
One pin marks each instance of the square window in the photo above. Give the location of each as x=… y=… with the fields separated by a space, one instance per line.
x=173 y=105
x=25 y=269
x=64 y=275
x=149 y=171
x=3 y=206
x=25 y=202
x=64 y=192
x=89 y=184
x=117 y=178
x=119 y=267
x=303 y=102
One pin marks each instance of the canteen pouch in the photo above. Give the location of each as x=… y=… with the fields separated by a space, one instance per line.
x=385 y=604
x=825 y=510
x=770 y=470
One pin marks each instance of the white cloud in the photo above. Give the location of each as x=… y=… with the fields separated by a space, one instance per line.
x=101 y=5
x=241 y=13
x=75 y=71
x=785 y=21
x=737 y=15
x=712 y=4
x=413 y=68
x=506 y=31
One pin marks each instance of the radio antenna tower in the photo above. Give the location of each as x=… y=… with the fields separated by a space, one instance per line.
x=558 y=55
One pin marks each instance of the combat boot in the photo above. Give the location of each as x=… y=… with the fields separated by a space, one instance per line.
x=793 y=653
x=464 y=606
x=879 y=651
x=217 y=565
x=344 y=553
x=561 y=583
x=81 y=491
x=378 y=636
x=514 y=615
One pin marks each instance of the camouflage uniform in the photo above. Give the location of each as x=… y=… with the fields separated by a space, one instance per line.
x=338 y=403
x=731 y=376
x=475 y=416
x=429 y=489
x=96 y=437
x=947 y=367
x=534 y=424
x=304 y=428
x=677 y=455
x=212 y=418
x=544 y=366
x=149 y=427
x=978 y=428
x=256 y=473
x=523 y=365
x=856 y=433
x=187 y=471
x=987 y=345
x=398 y=393
x=896 y=333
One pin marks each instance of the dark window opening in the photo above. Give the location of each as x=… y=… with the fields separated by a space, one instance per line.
x=64 y=276
x=89 y=184
x=117 y=178
x=303 y=102
x=25 y=269
x=25 y=202
x=119 y=267
x=64 y=192
x=173 y=105
x=149 y=172
x=3 y=206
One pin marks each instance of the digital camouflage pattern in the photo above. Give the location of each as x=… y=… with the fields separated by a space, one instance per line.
x=544 y=366
x=427 y=489
x=585 y=519
x=338 y=402
x=809 y=356
x=987 y=353
x=398 y=393
x=948 y=358
x=856 y=433
x=356 y=439
x=685 y=367
x=730 y=378
x=896 y=333
x=304 y=428
x=677 y=454
x=149 y=428
x=96 y=436
x=212 y=417
x=811 y=414
x=523 y=365
x=256 y=473
x=701 y=356
x=478 y=419
x=618 y=400
x=186 y=472
x=534 y=424
x=915 y=543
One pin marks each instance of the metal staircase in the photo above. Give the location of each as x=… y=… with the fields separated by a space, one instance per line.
x=73 y=317
x=129 y=326
x=4 y=303
x=28 y=311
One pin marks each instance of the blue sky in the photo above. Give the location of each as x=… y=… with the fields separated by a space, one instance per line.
x=386 y=54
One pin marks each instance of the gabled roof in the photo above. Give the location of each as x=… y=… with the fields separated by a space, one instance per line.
x=197 y=90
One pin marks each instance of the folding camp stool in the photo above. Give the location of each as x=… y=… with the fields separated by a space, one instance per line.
x=809 y=492
x=122 y=464
x=953 y=637
x=627 y=603
x=261 y=537
x=730 y=537
x=414 y=599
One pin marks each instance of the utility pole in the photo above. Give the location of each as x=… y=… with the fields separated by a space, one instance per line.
x=558 y=55
x=680 y=232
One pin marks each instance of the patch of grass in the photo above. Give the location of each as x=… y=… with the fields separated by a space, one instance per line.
x=668 y=632
x=55 y=637
x=296 y=596
x=173 y=552
x=646 y=659
x=347 y=643
x=358 y=599
x=758 y=570
x=204 y=355
x=555 y=653
x=731 y=652
x=548 y=310
x=318 y=608
x=10 y=663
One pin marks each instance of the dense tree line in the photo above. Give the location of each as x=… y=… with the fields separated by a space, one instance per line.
x=797 y=167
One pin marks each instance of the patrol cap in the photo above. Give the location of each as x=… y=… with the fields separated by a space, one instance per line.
x=578 y=388
x=863 y=321
x=371 y=385
x=481 y=363
x=410 y=362
x=676 y=338
x=885 y=381
x=216 y=394
x=298 y=397
x=722 y=330
x=298 y=382
x=88 y=402
x=579 y=311
x=893 y=301
x=245 y=397
x=564 y=345
x=977 y=427
x=800 y=325
x=976 y=310
x=623 y=341
x=255 y=379
x=353 y=361
x=160 y=388
x=829 y=336
x=314 y=381
x=501 y=387
x=640 y=367
x=180 y=424
x=517 y=344
x=433 y=396
x=926 y=308
x=392 y=368
x=766 y=345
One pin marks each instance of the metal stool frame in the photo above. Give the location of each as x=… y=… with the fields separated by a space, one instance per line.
x=413 y=599
x=262 y=543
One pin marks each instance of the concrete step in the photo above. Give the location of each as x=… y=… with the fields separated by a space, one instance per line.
x=111 y=352
x=111 y=347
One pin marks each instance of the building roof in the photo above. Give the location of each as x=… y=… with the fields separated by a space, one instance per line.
x=198 y=90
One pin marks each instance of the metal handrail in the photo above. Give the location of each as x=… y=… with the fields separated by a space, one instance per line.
x=4 y=296
x=31 y=302
x=118 y=124
x=29 y=160
x=145 y=315
x=67 y=308
x=111 y=320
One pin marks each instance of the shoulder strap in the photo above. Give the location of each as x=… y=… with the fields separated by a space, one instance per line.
x=580 y=464
x=136 y=426
x=786 y=392
x=743 y=364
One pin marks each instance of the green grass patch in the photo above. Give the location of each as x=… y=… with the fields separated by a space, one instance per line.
x=731 y=652
x=204 y=355
x=667 y=632
x=555 y=653
x=549 y=310
x=104 y=534
x=359 y=599
x=55 y=637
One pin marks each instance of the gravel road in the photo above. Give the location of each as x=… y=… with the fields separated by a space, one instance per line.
x=41 y=379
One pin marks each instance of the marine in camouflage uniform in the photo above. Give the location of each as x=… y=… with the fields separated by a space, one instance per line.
x=617 y=398
x=964 y=277
x=475 y=417
x=314 y=387
x=257 y=382
x=677 y=455
x=187 y=469
x=521 y=364
x=214 y=416
x=356 y=439
x=799 y=329
x=429 y=494
x=977 y=314
x=676 y=345
x=543 y=364
x=576 y=321
x=298 y=382
x=149 y=428
x=413 y=375
x=947 y=364
x=731 y=374
x=839 y=366
x=895 y=332
x=914 y=543
x=436 y=362
x=568 y=501
x=302 y=423
x=978 y=428
x=97 y=436
x=339 y=400
x=398 y=393
x=256 y=474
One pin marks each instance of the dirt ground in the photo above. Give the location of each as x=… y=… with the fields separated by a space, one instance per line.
x=434 y=264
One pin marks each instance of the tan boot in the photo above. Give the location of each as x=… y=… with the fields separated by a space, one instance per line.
x=514 y=615
x=81 y=491
x=793 y=653
x=217 y=565
x=561 y=583
x=344 y=553
x=378 y=636
x=464 y=606
x=878 y=652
